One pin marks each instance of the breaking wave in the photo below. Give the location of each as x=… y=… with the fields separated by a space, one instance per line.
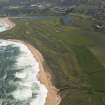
x=18 y=76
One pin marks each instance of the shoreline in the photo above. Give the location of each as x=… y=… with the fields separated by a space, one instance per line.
x=43 y=76
x=7 y=23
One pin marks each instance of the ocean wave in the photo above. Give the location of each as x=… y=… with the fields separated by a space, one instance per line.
x=18 y=76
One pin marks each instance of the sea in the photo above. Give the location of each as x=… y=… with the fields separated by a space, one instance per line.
x=19 y=84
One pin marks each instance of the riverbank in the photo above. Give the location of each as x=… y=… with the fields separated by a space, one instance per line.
x=53 y=98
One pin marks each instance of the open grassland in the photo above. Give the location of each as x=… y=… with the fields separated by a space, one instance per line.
x=69 y=55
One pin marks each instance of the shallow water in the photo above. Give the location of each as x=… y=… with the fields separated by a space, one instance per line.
x=18 y=76
x=2 y=29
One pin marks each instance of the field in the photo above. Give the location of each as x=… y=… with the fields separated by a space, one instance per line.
x=74 y=55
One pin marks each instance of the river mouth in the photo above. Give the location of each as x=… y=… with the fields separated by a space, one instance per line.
x=18 y=76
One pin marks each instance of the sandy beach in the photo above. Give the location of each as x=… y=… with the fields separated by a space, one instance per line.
x=45 y=77
x=53 y=98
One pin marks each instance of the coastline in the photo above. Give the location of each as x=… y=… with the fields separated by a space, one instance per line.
x=7 y=23
x=53 y=98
